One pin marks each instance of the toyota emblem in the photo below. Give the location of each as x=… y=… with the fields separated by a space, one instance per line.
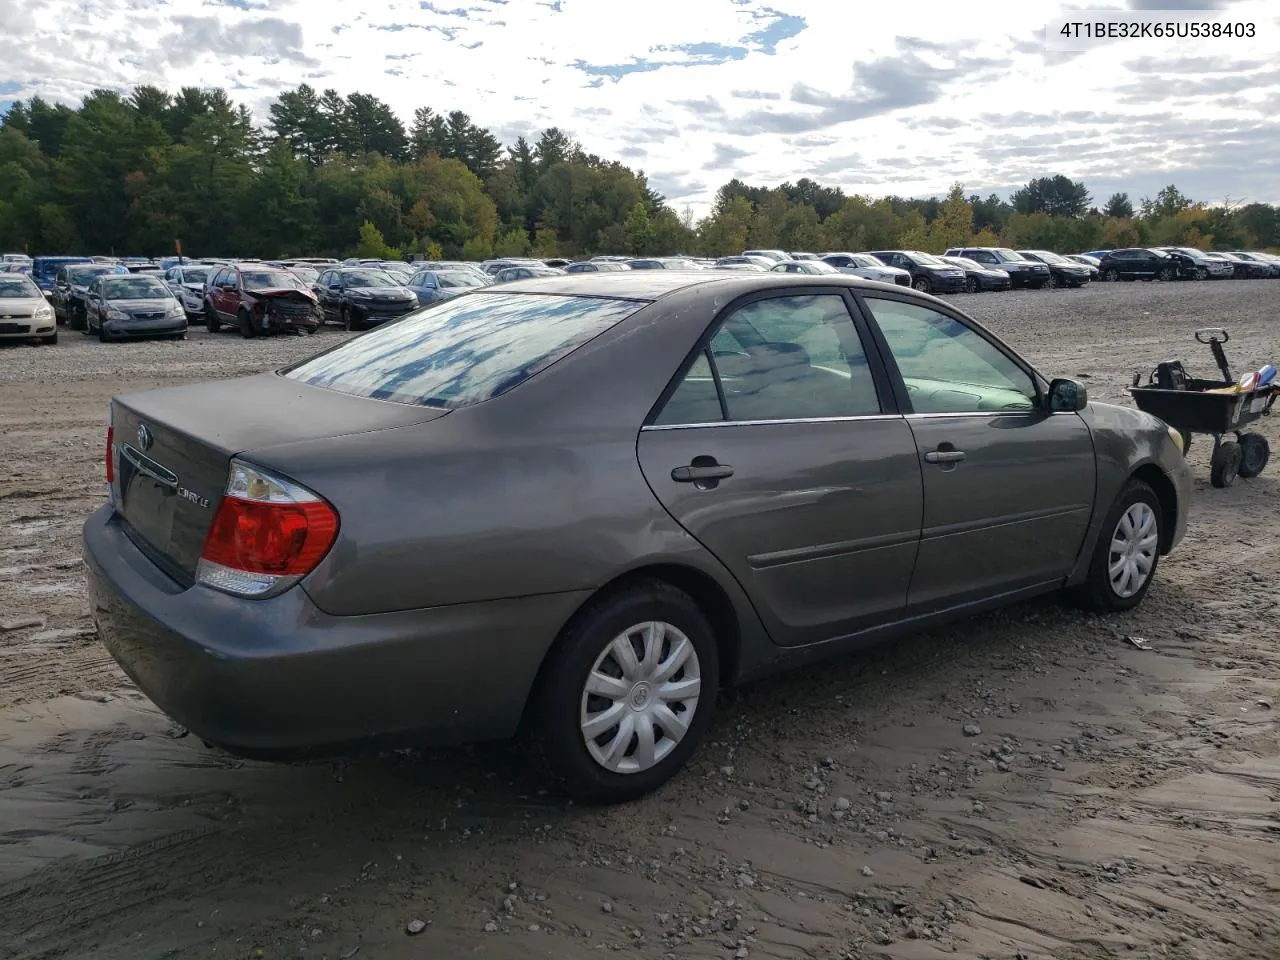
x=144 y=437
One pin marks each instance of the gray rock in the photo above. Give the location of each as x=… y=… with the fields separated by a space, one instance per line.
x=490 y=927
x=971 y=730
x=868 y=872
x=415 y=927
x=884 y=796
x=606 y=907
x=843 y=803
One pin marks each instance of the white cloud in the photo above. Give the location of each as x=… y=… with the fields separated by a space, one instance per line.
x=901 y=98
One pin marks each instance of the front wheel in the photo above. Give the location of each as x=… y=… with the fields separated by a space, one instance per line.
x=1167 y=273
x=1127 y=552
x=246 y=324
x=628 y=693
x=922 y=284
x=51 y=338
x=1053 y=282
x=971 y=285
x=1112 y=275
x=1224 y=465
x=211 y=321
x=1201 y=273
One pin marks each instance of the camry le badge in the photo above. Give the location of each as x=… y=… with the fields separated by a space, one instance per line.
x=144 y=436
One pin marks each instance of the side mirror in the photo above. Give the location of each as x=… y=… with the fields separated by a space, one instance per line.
x=1067 y=396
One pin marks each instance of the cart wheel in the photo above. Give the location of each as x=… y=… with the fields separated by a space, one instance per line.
x=1254 y=454
x=1225 y=465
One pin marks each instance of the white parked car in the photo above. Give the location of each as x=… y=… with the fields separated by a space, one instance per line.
x=868 y=267
x=24 y=312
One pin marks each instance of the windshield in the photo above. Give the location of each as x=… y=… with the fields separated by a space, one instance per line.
x=866 y=260
x=927 y=258
x=18 y=288
x=1005 y=255
x=305 y=274
x=1191 y=252
x=463 y=351
x=83 y=275
x=812 y=266
x=134 y=288
x=270 y=280
x=1048 y=257
x=964 y=262
x=195 y=274
x=368 y=278
x=459 y=280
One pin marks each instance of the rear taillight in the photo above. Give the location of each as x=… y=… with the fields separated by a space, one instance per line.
x=111 y=454
x=267 y=533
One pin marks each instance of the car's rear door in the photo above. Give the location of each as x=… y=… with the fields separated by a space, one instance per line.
x=1008 y=487
x=779 y=448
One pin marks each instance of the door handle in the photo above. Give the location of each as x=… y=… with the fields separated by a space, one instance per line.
x=701 y=473
x=944 y=456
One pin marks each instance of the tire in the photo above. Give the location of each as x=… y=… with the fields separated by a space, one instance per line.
x=51 y=338
x=1168 y=273
x=1224 y=467
x=1052 y=283
x=585 y=649
x=1112 y=275
x=1201 y=273
x=102 y=332
x=922 y=284
x=211 y=321
x=1186 y=441
x=1135 y=517
x=1255 y=451
x=347 y=323
x=971 y=285
x=245 y=322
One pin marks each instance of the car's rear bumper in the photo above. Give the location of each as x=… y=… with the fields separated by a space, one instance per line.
x=281 y=677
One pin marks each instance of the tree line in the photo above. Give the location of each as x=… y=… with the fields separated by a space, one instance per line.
x=328 y=174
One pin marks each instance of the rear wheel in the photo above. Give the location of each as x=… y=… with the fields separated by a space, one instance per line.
x=211 y=321
x=245 y=321
x=1255 y=451
x=1127 y=552
x=628 y=693
x=922 y=284
x=1224 y=467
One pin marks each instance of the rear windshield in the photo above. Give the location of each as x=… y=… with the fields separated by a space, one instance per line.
x=466 y=350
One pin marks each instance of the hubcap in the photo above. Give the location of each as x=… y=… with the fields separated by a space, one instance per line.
x=1134 y=545
x=640 y=697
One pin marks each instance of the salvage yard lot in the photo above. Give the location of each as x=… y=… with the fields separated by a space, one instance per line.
x=1030 y=783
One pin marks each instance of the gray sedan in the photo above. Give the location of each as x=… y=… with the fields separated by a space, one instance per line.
x=584 y=505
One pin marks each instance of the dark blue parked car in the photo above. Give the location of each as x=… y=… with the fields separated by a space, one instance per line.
x=44 y=269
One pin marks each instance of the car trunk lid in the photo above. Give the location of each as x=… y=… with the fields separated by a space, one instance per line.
x=173 y=447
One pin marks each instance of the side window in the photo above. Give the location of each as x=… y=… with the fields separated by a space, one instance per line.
x=784 y=358
x=984 y=256
x=947 y=367
x=695 y=400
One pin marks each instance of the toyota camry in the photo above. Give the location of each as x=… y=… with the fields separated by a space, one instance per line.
x=579 y=506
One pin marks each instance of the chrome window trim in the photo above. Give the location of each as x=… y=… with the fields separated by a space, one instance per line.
x=762 y=423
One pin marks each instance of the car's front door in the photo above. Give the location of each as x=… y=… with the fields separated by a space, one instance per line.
x=776 y=452
x=1008 y=487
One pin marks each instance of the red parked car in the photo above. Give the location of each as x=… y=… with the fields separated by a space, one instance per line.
x=257 y=298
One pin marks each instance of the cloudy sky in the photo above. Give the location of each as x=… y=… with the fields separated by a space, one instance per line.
x=876 y=97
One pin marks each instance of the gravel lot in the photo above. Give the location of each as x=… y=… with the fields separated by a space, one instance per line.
x=1028 y=784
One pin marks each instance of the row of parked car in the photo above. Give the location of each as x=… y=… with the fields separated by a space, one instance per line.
x=122 y=298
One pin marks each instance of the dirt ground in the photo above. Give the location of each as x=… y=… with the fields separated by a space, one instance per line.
x=1030 y=784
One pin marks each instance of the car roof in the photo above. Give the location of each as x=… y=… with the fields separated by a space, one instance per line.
x=654 y=284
